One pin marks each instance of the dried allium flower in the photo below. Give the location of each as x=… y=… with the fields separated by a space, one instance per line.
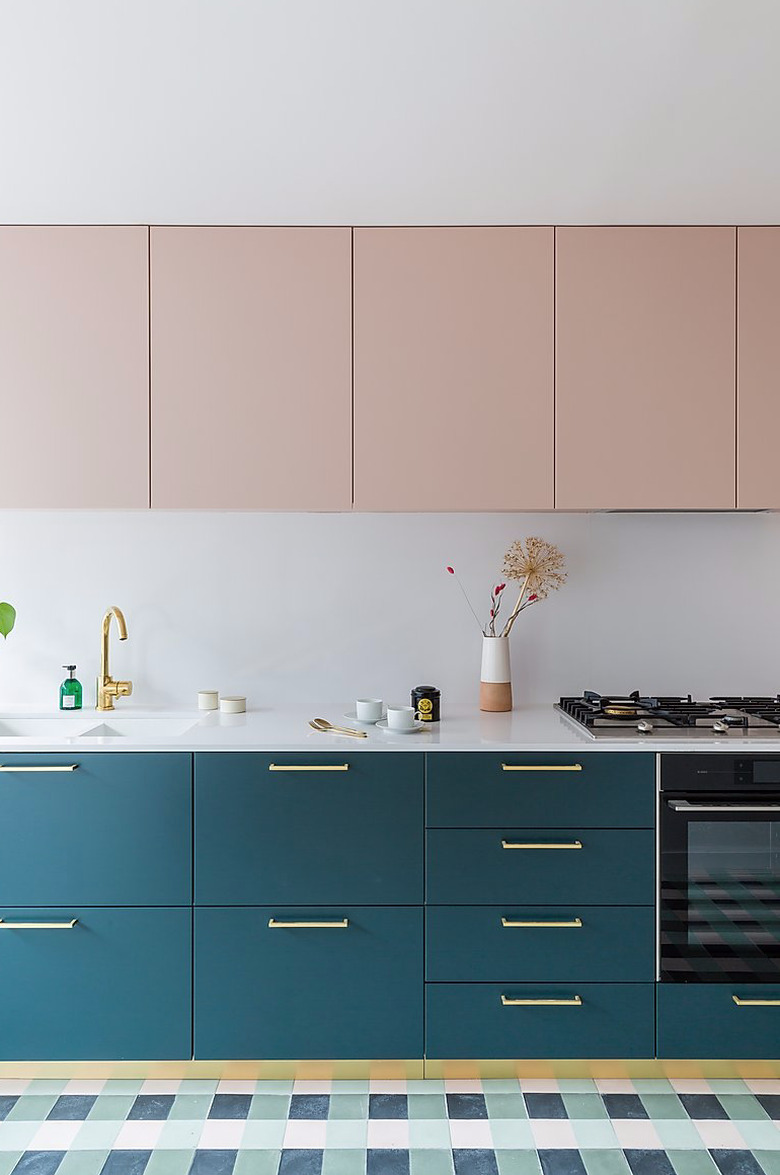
x=539 y=565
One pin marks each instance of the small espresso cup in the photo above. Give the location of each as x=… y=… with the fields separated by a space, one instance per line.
x=401 y=717
x=368 y=709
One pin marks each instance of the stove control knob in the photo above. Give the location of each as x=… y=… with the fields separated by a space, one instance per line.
x=720 y=726
x=644 y=727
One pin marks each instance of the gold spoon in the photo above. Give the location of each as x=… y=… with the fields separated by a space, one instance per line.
x=326 y=727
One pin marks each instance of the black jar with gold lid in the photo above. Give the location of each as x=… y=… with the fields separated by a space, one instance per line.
x=426 y=700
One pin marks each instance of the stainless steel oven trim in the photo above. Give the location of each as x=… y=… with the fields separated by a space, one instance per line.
x=687 y=806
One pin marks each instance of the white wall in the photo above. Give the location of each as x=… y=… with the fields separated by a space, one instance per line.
x=324 y=607
x=389 y=111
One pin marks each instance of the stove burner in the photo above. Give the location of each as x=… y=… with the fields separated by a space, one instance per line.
x=646 y=714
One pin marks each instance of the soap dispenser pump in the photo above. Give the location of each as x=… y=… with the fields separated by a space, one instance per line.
x=70 y=691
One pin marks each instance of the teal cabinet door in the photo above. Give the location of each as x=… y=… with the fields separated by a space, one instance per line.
x=303 y=828
x=585 y=789
x=82 y=984
x=594 y=866
x=719 y=1020
x=114 y=831
x=480 y=944
x=276 y=983
x=486 y=1020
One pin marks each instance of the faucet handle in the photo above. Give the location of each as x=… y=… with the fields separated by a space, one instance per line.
x=123 y=689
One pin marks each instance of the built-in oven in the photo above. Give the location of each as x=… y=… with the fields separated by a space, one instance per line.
x=719 y=878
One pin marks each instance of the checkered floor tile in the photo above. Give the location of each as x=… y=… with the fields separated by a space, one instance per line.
x=534 y=1127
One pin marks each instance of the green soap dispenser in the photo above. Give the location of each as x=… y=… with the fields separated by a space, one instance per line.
x=70 y=691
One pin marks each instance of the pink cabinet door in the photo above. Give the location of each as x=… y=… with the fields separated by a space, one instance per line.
x=74 y=367
x=251 y=368
x=758 y=367
x=453 y=368
x=645 y=323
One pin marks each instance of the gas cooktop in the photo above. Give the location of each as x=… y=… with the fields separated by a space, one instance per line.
x=614 y=716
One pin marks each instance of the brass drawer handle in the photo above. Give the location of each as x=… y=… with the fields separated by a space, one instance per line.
x=553 y=767
x=276 y=924
x=68 y=925
x=574 y=1002
x=511 y=844
x=324 y=767
x=509 y=923
x=755 y=1003
x=70 y=767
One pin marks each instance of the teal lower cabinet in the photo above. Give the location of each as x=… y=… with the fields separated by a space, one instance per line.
x=719 y=1020
x=578 y=1020
x=292 y=983
x=595 y=866
x=543 y=944
x=87 y=984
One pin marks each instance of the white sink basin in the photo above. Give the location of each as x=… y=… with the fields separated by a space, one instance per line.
x=145 y=729
x=55 y=729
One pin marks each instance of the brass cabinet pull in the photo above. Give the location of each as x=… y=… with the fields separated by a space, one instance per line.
x=276 y=924
x=755 y=1003
x=574 y=1002
x=510 y=923
x=570 y=844
x=324 y=767
x=67 y=925
x=70 y=767
x=547 y=767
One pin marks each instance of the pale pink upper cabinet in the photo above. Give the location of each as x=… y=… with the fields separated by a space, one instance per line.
x=453 y=368
x=251 y=377
x=645 y=368
x=758 y=367
x=74 y=367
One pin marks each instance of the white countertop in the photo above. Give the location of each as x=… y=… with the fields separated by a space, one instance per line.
x=285 y=728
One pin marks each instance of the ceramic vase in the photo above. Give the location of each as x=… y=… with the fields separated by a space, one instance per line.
x=495 y=687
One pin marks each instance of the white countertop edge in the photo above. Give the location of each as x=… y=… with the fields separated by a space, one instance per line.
x=285 y=728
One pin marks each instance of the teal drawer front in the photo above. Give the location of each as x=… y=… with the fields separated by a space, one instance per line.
x=469 y=1020
x=471 y=866
x=116 y=831
x=579 y=790
x=115 y=986
x=702 y=1020
x=482 y=944
x=306 y=833
x=308 y=992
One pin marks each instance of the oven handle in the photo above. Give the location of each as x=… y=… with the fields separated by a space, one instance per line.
x=686 y=806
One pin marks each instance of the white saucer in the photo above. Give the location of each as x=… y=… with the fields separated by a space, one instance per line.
x=418 y=726
x=352 y=716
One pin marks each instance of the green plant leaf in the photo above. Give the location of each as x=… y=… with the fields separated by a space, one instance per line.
x=7 y=619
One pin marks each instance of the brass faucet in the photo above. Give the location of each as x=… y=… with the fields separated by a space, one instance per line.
x=107 y=688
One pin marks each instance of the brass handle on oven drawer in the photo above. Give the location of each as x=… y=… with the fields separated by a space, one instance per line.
x=571 y=844
x=275 y=924
x=509 y=923
x=9 y=767
x=68 y=925
x=755 y=1003
x=574 y=1002
x=546 y=767
x=308 y=767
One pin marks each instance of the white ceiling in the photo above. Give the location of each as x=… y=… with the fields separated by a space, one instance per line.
x=390 y=111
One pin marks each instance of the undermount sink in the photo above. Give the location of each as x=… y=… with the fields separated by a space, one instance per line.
x=140 y=728
x=43 y=728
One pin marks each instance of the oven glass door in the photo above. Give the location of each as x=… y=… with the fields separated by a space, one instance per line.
x=720 y=889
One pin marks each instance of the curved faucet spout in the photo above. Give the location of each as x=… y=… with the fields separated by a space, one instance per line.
x=107 y=688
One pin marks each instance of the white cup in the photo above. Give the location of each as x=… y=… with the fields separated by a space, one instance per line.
x=401 y=717
x=368 y=709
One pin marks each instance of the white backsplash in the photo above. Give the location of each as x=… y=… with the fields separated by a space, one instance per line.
x=287 y=607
